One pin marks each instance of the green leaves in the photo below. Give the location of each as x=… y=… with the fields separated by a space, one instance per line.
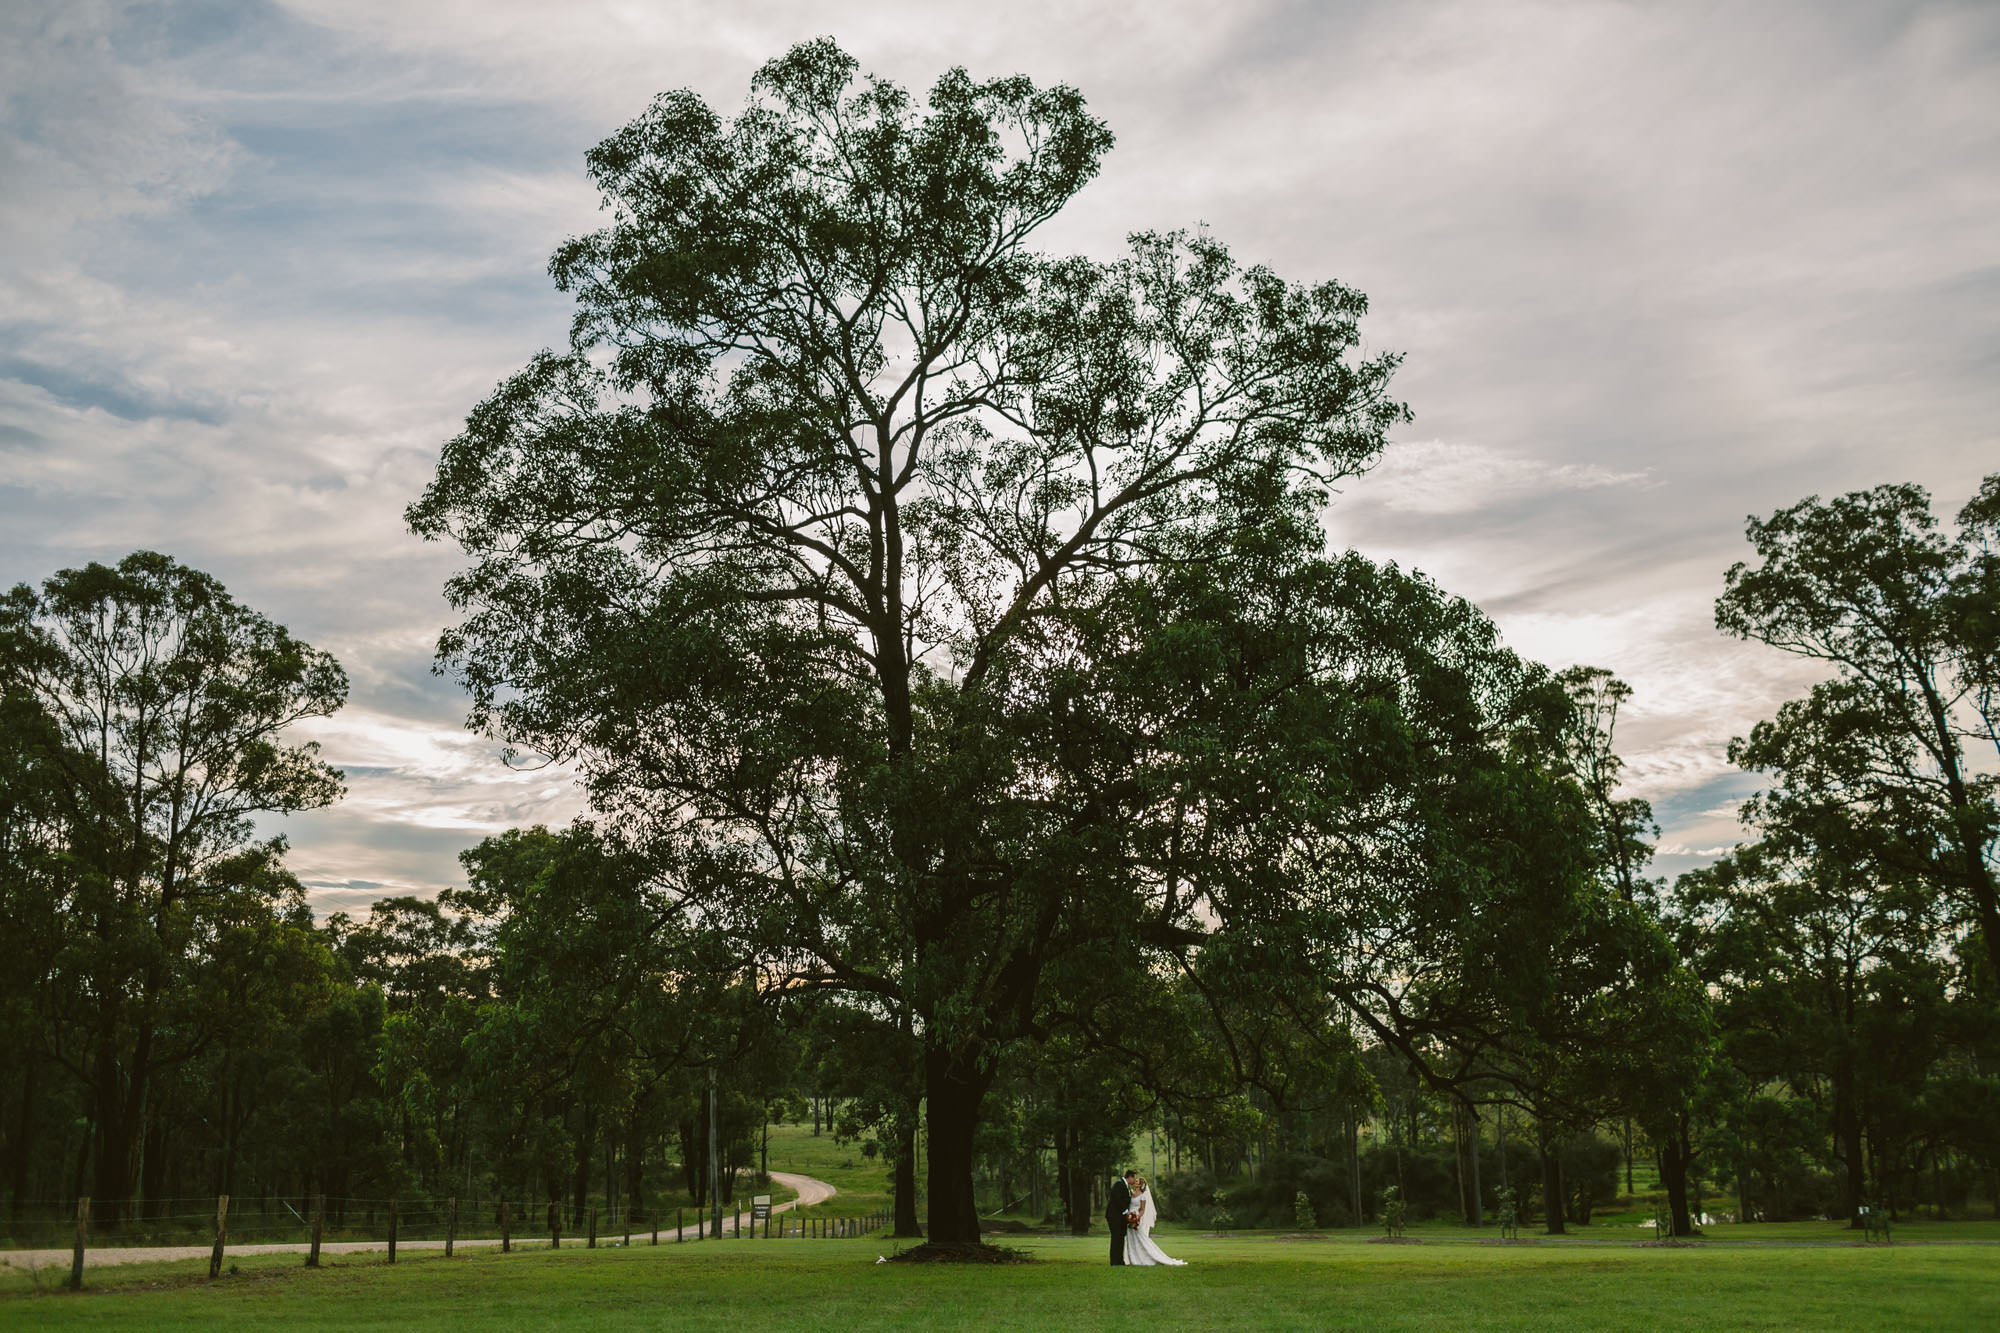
x=1874 y=765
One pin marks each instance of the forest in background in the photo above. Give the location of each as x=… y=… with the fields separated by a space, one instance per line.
x=186 y=1028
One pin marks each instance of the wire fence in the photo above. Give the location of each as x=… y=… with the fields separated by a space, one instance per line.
x=314 y=1222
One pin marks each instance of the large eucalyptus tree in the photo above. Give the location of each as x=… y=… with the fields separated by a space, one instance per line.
x=843 y=493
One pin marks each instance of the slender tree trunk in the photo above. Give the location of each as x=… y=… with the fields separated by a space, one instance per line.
x=694 y=1154
x=153 y=1162
x=1847 y=1134
x=1675 y=1156
x=635 y=1158
x=110 y=1176
x=1068 y=1203
x=953 y=1089
x=1354 y=1161
x=1472 y=1147
x=1458 y=1163
x=906 y=1177
x=586 y=1141
x=25 y=1126
x=1552 y=1181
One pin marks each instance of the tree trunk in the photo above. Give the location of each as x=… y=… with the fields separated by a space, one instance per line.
x=153 y=1163
x=18 y=1175
x=694 y=1156
x=1354 y=1161
x=1847 y=1135
x=586 y=1140
x=906 y=1177
x=112 y=1140
x=953 y=1089
x=1458 y=1164
x=1472 y=1146
x=1552 y=1181
x=635 y=1159
x=1675 y=1155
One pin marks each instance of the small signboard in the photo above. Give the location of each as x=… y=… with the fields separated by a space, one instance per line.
x=760 y=1207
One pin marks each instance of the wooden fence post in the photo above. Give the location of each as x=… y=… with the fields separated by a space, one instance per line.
x=392 y=1231
x=591 y=1243
x=655 y=1219
x=680 y=1225
x=506 y=1233
x=555 y=1228
x=628 y=1228
x=82 y=1233
x=319 y=1226
x=221 y=1231
x=450 y=1224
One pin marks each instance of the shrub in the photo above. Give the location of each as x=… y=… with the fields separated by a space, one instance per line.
x=1219 y=1219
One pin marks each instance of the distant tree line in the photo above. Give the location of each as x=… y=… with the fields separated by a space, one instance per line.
x=1806 y=1025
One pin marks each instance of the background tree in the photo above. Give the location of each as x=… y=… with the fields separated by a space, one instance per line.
x=169 y=701
x=1905 y=616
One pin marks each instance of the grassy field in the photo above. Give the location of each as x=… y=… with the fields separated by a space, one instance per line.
x=1245 y=1281
x=863 y=1181
x=1785 y=1275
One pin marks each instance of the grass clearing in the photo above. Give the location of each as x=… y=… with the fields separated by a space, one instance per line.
x=1344 y=1281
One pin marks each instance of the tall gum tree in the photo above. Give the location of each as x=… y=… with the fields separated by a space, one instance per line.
x=167 y=702
x=784 y=545
x=1903 y=739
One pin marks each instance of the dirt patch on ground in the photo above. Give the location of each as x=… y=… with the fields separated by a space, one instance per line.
x=928 y=1253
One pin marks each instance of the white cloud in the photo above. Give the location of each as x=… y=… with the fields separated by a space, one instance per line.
x=1439 y=477
x=1652 y=269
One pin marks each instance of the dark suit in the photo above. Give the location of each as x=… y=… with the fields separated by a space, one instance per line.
x=1116 y=1200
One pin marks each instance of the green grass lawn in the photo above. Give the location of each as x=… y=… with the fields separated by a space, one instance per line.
x=1255 y=1281
x=1780 y=1275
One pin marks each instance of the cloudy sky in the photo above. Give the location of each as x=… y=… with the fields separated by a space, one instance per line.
x=1653 y=267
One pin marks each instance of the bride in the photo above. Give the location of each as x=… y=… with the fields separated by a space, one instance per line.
x=1139 y=1247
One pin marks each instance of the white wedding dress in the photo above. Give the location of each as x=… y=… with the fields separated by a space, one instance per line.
x=1139 y=1248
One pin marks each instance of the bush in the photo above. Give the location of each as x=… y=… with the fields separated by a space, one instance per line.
x=1185 y=1197
x=1395 y=1213
x=1218 y=1218
x=1302 y=1213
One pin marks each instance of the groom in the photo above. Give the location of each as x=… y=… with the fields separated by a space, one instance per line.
x=1117 y=1200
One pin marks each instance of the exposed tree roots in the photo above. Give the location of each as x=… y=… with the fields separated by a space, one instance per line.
x=931 y=1253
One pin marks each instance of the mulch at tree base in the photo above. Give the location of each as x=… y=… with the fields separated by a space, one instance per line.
x=1394 y=1240
x=929 y=1253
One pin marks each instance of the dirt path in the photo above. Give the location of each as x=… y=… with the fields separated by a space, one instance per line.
x=810 y=1192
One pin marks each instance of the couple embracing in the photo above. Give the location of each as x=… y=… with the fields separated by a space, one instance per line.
x=1128 y=1207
